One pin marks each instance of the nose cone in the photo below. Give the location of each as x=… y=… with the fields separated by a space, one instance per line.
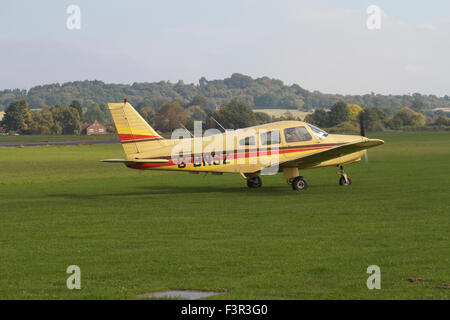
x=375 y=142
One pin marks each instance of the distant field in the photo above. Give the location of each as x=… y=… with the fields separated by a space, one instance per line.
x=280 y=112
x=134 y=232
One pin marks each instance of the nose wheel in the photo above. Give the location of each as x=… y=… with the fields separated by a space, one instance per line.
x=344 y=180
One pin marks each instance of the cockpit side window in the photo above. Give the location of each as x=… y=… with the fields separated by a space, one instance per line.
x=270 y=137
x=296 y=134
x=248 y=141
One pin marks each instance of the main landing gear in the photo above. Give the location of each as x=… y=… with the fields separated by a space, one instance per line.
x=298 y=183
x=344 y=180
x=254 y=182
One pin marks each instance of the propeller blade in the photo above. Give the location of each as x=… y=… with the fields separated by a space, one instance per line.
x=362 y=129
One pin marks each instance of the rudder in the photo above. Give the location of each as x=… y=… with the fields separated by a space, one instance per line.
x=132 y=128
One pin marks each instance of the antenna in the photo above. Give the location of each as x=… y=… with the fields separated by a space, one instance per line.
x=218 y=124
x=186 y=130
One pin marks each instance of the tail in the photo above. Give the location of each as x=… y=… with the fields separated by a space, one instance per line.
x=135 y=134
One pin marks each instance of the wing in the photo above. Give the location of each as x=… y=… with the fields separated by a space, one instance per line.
x=310 y=160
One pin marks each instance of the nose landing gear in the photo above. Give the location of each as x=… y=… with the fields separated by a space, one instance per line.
x=344 y=180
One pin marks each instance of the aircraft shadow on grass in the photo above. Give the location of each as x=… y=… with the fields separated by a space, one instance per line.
x=154 y=192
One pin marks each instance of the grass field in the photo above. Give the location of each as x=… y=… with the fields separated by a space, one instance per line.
x=136 y=232
x=50 y=138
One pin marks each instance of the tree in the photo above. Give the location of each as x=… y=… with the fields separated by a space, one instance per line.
x=407 y=117
x=66 y=120
x=353 y=112
x=42 y=122
x=148 y=114
x=169 y=117
x=373 y=119
x=196 y=113
x=77 y=105
x=442 y=121
x=266 y=100
x=262 y=117
x=94 y=112
x=233 y=115
x=418 y=104
x=238 y=80
x=291 y=101
x=338 y=113
x=319 y=118
x=17 y=117
x=201 y=101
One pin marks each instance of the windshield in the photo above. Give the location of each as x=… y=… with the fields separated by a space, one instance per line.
x=318 y=132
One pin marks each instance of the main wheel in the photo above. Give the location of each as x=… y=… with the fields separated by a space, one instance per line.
x=299 y=183
x=254 y=182
x=342 y=181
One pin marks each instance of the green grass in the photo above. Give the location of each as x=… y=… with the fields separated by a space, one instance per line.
x=134 y=232
x=50 y=138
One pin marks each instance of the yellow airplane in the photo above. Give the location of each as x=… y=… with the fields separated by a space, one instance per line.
x=284 y=146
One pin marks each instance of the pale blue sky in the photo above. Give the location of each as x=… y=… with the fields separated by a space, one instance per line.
x=321 y=45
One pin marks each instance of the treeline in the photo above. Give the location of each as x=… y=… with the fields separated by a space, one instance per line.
x=352 y=118
x=341 y=118
x=52 y=120
x=260 y=92
x=72 y=119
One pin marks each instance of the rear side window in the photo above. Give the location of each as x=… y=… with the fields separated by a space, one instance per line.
x=249 y=141
x=270 y=137
x=296 y=134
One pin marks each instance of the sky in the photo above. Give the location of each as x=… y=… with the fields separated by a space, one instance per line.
x=320 y=45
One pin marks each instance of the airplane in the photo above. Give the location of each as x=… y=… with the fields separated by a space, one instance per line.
x=285 y=146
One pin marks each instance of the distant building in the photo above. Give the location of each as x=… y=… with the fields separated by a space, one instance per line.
x=96 y=128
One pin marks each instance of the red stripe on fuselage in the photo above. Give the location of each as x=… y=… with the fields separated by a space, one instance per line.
x=229 y=155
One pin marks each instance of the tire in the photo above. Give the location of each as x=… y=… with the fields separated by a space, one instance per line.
x=254 y=182
x=299 y=183
x=344 y=183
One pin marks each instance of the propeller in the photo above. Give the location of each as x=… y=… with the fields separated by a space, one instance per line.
x=362 y=132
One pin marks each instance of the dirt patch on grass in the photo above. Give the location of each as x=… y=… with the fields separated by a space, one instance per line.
x=181 y=294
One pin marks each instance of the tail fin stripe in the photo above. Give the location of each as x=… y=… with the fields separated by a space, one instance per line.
x=131 y=137
x=142 y=140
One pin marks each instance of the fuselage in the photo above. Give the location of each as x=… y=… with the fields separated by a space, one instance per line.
x=246 y=150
